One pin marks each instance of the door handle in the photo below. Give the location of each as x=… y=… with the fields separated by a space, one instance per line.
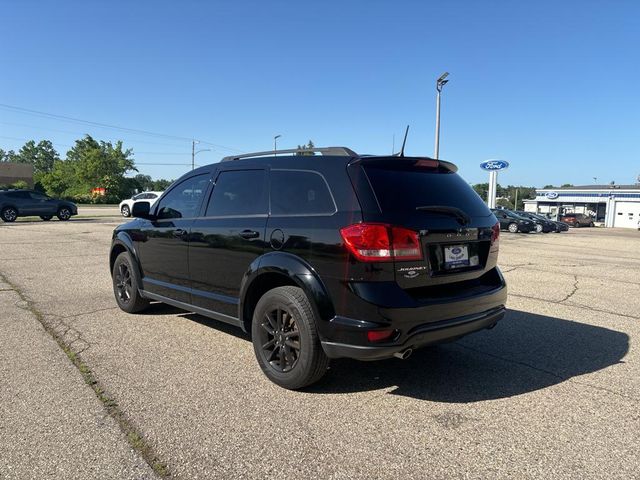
x=249 y=234
x=179 y=233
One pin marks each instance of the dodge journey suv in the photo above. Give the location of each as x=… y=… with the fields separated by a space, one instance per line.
x=318 y=256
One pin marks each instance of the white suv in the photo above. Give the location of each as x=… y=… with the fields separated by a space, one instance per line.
x=127 y=205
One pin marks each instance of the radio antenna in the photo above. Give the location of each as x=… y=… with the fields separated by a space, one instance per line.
x=406 y=132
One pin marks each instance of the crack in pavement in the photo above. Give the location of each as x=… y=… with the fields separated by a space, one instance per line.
x=572 y=293
x=573 y=304
x=66 y=336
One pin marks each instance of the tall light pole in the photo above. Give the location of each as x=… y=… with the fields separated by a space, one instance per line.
x=441 y=82
x=275 y=144
x=194 y=153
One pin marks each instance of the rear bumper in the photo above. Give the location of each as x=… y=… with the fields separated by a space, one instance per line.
x=427 y=334
x=415 y=323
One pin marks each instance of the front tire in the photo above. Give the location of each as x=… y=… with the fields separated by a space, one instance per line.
x=64 y=213
x=513 y=227
x=285 y=339
x=9 y=214
x=126 y=284
x=538 y=228
x=125 y=211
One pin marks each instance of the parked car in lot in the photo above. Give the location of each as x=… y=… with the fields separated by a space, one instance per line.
x=512 y=222
x=318 y=258
x=577 y=220
x=27 y=203
x=543 y=225
x=560 y=226
x=126 y=205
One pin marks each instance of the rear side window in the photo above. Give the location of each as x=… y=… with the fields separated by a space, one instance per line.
x=404 y=188
x=300 y=192
x=238 y=193
x=38 y=196
x=23 y=195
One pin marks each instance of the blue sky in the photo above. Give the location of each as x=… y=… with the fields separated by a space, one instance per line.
x=552 y=87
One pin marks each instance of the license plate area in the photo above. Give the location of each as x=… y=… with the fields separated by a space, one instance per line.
x=456 y=256
x=448 y=258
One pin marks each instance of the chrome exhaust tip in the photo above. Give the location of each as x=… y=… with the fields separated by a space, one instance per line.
x=404 y=354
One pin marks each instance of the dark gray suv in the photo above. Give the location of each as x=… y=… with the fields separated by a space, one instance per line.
x=26 y=203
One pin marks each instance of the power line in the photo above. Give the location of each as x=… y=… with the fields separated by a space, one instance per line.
x=129 y=140
x=106 y=125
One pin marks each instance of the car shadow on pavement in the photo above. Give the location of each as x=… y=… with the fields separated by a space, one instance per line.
x=524 y=353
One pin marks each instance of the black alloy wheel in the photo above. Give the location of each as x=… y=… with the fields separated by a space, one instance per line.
x=285 y=338
x=280 y=339
x=126 y=284
x=64 y=214
x=9 y=214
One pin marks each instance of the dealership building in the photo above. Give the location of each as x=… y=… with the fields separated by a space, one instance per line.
x=609 y=205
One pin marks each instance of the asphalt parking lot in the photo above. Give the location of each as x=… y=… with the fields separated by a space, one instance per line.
x=552 y=392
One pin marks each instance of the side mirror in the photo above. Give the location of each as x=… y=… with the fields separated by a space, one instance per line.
x=141 y=210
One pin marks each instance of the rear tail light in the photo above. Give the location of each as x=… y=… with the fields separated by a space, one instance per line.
x=495 y=233
x=378 y=242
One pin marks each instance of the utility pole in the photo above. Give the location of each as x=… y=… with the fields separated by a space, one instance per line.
x=441 y=82
x=193 y=154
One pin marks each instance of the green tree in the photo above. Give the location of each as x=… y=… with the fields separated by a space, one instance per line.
x=564 y=185
x=161 y=184
x=303 y=149
x=91 y=164
x=7 y=155
x=41 y=155
x=481 y=189
x=143 y=182
x=101 y=164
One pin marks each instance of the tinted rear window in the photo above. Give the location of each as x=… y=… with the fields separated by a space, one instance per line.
x=405 y=188
x=299 y=192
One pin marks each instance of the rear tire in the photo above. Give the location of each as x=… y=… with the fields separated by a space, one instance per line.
x=513 y=227
x=285 y=339
x=539 y=228
x=125 y=211
x=64 y=214
x=9 y=214
x=126 y=284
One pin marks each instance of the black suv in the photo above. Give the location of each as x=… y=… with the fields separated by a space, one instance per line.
x=25 y=203
x=318 y=257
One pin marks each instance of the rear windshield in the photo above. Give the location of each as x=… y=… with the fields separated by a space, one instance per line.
x=405 y=188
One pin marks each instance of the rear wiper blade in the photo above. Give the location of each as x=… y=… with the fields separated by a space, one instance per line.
x=461 y=216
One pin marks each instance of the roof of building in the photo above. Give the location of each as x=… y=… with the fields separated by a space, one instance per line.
x=596 y=187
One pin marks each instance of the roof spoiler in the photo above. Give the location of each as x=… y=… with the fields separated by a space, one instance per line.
x=418 y=161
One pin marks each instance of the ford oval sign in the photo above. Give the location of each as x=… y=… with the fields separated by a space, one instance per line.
x=494 y=165
x=551 y=195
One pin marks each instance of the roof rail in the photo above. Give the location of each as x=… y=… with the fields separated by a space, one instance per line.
x=330 y=151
